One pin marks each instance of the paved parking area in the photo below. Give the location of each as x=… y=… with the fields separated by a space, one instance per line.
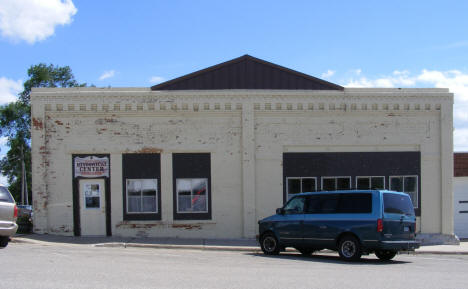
x=59 y=265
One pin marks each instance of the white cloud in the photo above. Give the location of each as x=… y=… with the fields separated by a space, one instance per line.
x=455 y=80
x=34 y=20
x=3 y=142
x=9 y=89
x=460 y=139
x=107 y=74
x=328 y=74
x=156 y=79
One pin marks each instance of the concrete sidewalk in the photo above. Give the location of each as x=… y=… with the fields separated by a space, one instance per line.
x=245 y=245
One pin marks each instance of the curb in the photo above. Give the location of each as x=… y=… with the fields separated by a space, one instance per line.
x=172 y=246
x=440 y=253
x=252 y=249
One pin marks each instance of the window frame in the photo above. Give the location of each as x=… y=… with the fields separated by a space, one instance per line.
x=336 y=183
x=191 y=166
x=191 y=195
x=416 y=203
x=141 y=166
x=141 y=196
x=370 y=182
x=300 y=181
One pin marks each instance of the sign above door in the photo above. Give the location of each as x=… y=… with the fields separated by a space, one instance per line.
x=91 y=167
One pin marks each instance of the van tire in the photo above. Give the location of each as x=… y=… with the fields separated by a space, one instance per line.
x=269 y=244
x=4 y=241
x=349 y=248
x=385 y=255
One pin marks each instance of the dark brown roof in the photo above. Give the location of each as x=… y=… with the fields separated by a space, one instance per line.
x=460 y=164
x=246 y=72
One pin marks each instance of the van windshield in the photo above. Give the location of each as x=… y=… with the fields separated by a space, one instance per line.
x=398 y=204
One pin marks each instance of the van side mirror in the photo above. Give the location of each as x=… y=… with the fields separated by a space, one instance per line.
x=280 y=211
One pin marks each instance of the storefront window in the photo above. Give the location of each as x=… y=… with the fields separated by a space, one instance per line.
x=336 y=183
x=142 y=196
x=300 y=185
x=406 y=184
x=192 y=195
x=370 y=183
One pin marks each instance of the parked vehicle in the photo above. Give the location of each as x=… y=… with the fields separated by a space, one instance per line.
x=353 y=223
x=25 y=211
x=8 y=215
x=24 y=220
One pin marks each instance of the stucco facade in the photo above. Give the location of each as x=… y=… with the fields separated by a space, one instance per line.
x=246 y=133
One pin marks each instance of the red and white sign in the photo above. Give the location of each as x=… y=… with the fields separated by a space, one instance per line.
x=91 y=167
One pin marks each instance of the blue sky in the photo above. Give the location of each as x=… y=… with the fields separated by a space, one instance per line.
x=140 y=43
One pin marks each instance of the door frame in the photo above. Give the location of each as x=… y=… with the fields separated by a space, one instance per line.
x=76 y=195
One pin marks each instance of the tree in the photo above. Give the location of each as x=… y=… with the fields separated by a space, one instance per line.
x=15 y=122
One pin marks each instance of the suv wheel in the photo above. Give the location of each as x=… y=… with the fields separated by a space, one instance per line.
x=269 y=244
x=4 y=241
x=385 y=255
x=349 y=248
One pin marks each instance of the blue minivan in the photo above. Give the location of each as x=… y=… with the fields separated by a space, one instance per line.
x=354 y=223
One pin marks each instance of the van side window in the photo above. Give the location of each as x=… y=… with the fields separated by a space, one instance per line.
x=355 y=203
x=322 y=204
x=295 y=206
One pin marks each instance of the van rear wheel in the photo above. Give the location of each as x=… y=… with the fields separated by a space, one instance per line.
x=269 y=244
x=385 y=255
x=349 y=248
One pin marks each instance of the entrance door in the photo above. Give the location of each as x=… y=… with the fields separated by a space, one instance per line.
x=92 y=207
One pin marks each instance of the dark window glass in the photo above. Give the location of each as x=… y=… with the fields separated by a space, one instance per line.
x=313 y=204
x=5 y=195
x=411 y=188
x=329 y=204
x=343 y=184
x=355 y=203
x=363 y=184
x=398 y=204
x=294 y=187
x=295 y=206
x=308 y=185
x=328 y=184
x=396 y=184
x=378 y=183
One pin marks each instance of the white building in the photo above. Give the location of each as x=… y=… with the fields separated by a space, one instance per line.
x=210 y=153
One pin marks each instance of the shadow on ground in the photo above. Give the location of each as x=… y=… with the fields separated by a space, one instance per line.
x=330 y=258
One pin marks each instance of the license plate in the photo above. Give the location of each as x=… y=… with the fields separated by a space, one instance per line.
x=406 y=229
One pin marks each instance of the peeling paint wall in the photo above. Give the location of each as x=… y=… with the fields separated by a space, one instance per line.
x=246 y=133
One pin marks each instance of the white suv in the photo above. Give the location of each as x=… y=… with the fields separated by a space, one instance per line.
x=8 y=215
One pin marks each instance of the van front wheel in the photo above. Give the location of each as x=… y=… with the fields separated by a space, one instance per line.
x=269 y=244
x=349 y=248
x=385 y=255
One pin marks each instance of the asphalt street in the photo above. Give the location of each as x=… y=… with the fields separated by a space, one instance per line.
x=85 y=266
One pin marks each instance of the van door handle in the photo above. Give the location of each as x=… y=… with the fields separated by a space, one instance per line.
x=323 y=227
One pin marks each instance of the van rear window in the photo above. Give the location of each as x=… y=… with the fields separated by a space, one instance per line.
x=398 y=204
x=5 y=195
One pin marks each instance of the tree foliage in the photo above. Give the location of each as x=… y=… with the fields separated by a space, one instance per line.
x=15 y=121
